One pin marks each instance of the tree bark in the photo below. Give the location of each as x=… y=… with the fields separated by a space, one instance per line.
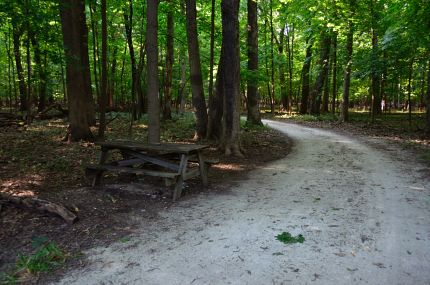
x=290 y=52
x=212 y=50
x=75 y=37
x=152 y=71
x=95 y=48
x=195 y=71
x=103 y=94
x=253 y=96
x=16 y=34
x=319 y=84
x=344 y=114
x=428 y=99
x=231 y=65
x=128 y=23
x=305 y=77
x=167 y=110
x=216 y=104
x=334 y=75
x=282 y=82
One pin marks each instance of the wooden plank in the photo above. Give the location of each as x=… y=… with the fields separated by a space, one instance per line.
x=180 y=180
x=120 y=169
x=153 y=160
x=161 y=148
x=103 y=157
x=203 y=169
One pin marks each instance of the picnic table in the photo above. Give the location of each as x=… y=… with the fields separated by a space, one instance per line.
x=171 y=161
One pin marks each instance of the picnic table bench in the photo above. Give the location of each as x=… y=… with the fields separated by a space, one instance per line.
x=170 y=161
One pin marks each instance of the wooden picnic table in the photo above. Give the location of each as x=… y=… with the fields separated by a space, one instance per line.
x=170 y=161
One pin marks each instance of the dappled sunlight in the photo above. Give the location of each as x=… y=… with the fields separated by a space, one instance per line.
x=229 y=167
x=22 y=186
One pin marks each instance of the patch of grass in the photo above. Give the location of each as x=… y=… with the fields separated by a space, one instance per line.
x=47 y=257
x=287 y=238
x=312 y=118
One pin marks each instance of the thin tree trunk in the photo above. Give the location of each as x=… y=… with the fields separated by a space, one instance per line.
x=111 y=79
x=428 y=99
x=95 y=48
x=29 y=77
x=128 y=21
x=103 y=95
x=152 y=71
x=195 y=71
x=411 y=66
x=344 y=114
x=41 y=71
x=282 y=82
x=216 y=104
x=305 y=77
x=269 y=91
x=253 y=97
x=272 y=63
x=290 y=53
x=212 y=50
x=167 y=110
x=334 y=75
x=19 y=70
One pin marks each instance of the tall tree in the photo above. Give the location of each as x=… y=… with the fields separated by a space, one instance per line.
x=305 y=74
x=152 y=71
x=197 y=91
x=75 y=39
x=253 y=97
x=167 y=110
x=231 y=69
x=347 y=73
x=103 y=94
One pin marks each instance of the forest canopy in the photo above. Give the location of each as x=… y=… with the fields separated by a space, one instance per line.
x=217 y=57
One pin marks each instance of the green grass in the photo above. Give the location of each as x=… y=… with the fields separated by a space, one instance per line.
x=287 y=238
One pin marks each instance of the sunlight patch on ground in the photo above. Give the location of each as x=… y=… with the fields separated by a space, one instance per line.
x=225 y=166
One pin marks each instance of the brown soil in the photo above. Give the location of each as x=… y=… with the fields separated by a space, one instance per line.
x=35 y=162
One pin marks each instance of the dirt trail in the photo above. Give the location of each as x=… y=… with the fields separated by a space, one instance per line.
x=365 y=216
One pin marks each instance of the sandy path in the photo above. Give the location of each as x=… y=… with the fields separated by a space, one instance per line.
x=365 y=217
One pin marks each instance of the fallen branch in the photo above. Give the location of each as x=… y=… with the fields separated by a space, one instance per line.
x=41 y=206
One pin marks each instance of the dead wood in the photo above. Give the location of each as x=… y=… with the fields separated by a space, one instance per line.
x=41 y=205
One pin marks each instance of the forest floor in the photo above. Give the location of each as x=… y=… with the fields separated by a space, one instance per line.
x=116 y=217
x=35 y=162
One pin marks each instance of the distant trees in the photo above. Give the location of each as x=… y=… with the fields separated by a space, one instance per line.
x=309 y=57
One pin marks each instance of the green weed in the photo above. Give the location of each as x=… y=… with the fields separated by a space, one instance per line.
x=47 y=257
x=287 y=238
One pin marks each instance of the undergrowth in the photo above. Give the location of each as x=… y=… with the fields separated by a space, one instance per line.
x=47 y=256
x=287 y=238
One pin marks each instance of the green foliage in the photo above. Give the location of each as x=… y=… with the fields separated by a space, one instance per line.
x=287 y=238
x=46 y=257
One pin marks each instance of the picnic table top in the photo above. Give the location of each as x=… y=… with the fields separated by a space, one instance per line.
x=181 y=148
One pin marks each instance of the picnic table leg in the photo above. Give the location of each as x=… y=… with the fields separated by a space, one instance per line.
x=180 y=179
x=102 y=160
x=203 y=169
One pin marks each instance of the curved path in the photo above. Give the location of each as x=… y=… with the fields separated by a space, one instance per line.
x=365 y=216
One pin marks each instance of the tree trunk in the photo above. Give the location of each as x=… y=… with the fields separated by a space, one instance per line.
x=282 y=81
x=344 y=114
x=216 y=104
x=103 y=94
x=41 y=71
x=195 y=71
x=75 y=36
x=428 y=99
x=305 y=77
x=231 y=65
x=128 y=23
x=253 y=97
x=375 y=78
x=411 y=66
x=290 y=50
x=334 y=78
x=152 y=71
x=319 y=84
x=272 y=64
x=95 y=47
x=212 y=50
x=167 y=110
x=19 y=70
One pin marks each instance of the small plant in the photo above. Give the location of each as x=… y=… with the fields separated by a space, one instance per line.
x=287 y=238
x=47 y=257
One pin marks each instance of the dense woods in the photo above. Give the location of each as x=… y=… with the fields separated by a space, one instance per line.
x=219 y=58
